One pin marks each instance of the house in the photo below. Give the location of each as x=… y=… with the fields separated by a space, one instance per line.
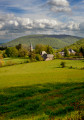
x=46 y=56
x=43 y=52
x=61 y=53
x=71 y=51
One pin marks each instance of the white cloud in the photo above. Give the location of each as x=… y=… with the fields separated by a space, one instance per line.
x=12 y=26
x=59 y=5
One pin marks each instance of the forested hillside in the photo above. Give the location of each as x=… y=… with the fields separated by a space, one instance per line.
x=56 y=41
x=77 y=45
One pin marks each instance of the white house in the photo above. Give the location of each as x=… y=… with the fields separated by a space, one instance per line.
x=46 y=56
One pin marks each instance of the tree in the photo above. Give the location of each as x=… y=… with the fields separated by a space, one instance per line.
x=66 y=53
x=11 y=52
x=32 y=56
x=23 y=52
x=49 y=49
x=82 y=51
x=39 y=48
x=63 y=64
x=18 y=47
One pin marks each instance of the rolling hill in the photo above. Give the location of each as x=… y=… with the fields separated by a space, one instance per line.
x=56 y=41
x=77 y=45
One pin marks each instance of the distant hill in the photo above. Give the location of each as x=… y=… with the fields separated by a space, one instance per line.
x=77 y=45
x=56 y=41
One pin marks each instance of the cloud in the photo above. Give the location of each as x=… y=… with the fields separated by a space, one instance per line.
x=19 y=24
x=59 y=5
x=81 y=26
x=12 y=26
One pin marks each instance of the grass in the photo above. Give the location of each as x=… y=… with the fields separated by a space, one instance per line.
x=53 y=100
x=41 y=90
x=41 y=72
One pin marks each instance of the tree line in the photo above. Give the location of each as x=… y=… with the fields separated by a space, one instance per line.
x=25 y=51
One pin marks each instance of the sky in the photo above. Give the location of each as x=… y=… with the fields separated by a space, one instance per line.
x=25 y=17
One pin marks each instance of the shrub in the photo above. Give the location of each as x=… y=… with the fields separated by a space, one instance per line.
x=63 y=64
x=4 y=55
x=70 y=67
x=1 y=56
x=38 y=57
x=58 y=55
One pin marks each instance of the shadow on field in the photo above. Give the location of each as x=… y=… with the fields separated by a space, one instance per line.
x=53 y=100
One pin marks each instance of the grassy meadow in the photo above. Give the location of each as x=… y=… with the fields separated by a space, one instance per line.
x=42 y=90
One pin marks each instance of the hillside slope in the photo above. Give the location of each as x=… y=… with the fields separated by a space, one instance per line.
x=77 y=45
x=56 y=41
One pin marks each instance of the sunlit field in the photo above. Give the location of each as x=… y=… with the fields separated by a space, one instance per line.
x=41 y=90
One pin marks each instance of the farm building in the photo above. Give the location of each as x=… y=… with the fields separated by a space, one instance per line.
x=46 y=56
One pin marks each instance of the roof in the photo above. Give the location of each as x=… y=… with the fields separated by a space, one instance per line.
x=43 y=52
x=50 y=55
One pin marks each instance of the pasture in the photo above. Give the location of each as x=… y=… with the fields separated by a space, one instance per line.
x=41 y=90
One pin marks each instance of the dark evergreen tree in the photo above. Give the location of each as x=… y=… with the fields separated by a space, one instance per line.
x=82 y=50
x=18 y=47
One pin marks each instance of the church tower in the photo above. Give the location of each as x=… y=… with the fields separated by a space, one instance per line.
x=31 y=48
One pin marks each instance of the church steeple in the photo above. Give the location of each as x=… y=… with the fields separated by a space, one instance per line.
x=31 y=47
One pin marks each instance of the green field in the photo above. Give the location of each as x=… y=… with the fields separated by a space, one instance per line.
x=41 y=89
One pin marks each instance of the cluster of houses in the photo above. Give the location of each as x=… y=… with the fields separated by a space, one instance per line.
x=47 y=57
x=69 y=50
x=44 y=55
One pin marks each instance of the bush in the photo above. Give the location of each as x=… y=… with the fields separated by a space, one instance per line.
x=1 y=56
x=4 y=55
x=38 y=57
x=63 y=64
x=58 y=55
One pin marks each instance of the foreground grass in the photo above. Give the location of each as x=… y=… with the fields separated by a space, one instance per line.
x=41 y=90
x=53 y=100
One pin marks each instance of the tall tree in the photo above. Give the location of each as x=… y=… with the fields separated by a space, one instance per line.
x=82 y=50
x=39 y=48
x=49 y=49
x=66 y=52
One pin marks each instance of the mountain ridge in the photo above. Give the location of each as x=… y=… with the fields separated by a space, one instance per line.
x=56 y=41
